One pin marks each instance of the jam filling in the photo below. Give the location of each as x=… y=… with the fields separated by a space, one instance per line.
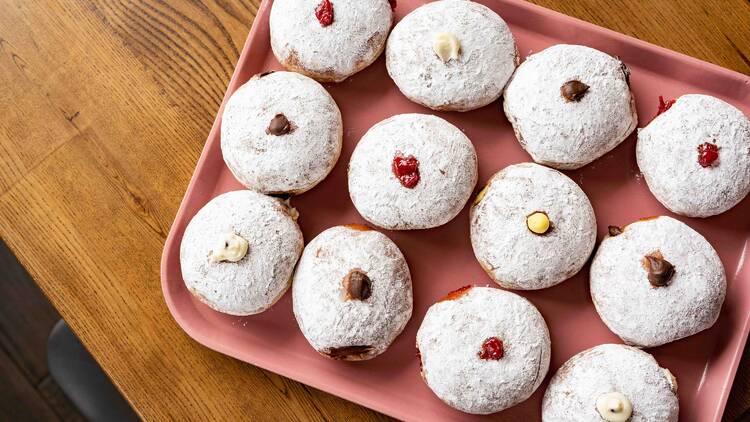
x=708 y=153
x=492 y=349
x=324 y=13
x=664 y=105
x=406 y=170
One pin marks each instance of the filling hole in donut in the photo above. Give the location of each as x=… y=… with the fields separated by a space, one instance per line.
x=279 y=125
x=492 y=349
x=538 y=223
x=573 y=91
x=708 y=153
x=660 y=271
x=357 y=285
x=406 y=170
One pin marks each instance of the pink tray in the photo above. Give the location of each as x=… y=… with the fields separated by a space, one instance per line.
x=442 y=260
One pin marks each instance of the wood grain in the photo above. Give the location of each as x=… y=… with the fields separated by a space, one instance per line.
x=106 y=105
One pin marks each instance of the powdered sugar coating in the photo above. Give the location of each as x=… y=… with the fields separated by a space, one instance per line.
x=447 y=167
x=325 y=318
x=292 y=163
x=572 y=393
x=647 y=316
x=510 y=253
x=667 y=153
x=258 y=280
x=451 y=336
x=487 y=57
x=332 y=53
x=570 y=134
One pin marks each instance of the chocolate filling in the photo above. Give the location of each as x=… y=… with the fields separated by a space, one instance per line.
x=573 y=90
x=340 y=353
x=660 y=271
x=279 y=125
x=357 y=286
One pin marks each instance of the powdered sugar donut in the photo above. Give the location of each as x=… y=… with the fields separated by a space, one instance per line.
x=352 y=293
x=329 y=40
x=412 y=171
x=483 y=350
x=238 y=252
x=532 y=227
x=656 y=281
x=695 y=157
x=281 y=133
x=451 y=55
x=569 y=105
x=613 y=383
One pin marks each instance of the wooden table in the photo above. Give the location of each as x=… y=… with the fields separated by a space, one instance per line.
x=105 y=107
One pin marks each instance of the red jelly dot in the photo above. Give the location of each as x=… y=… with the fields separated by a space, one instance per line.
x=324 y=13
x=393 y=4
x=406 y=170
x=664 y=105
x=492 y=349
x=707 y=154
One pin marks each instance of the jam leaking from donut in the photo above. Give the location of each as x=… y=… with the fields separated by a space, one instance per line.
x=324 y=13
x=708 y=153
x=660 y=271
x=357 y=227
x=480 y=195
x=456 y=293
x=614 y=230
x=651 y=218
x=342 y=353
x=406 y=170
x=393 y=4
x=357 y=285
x=492 y=349
x=664 y=105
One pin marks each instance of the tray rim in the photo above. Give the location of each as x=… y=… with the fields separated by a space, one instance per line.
x=260 y=19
